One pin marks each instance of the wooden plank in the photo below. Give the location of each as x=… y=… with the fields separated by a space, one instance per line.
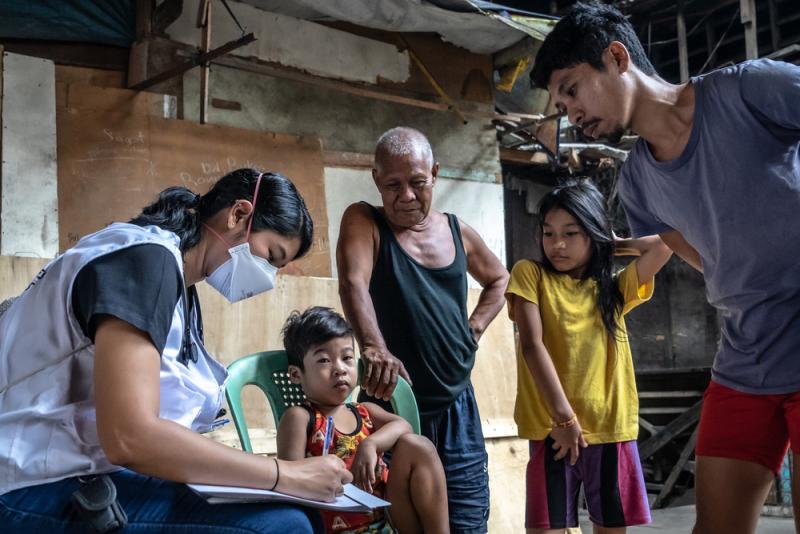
x=16 y=272
x=87 y=76
x=94 y=98
x=648 y=426
x=205 y=46
x=747 y=9
x=523 y=156
x=686 y=453
x=379 y=93
x=683 y=51
x=357 y=160
x=669 y=394
x=673 y=428
x=111 y=164
x=774 y=29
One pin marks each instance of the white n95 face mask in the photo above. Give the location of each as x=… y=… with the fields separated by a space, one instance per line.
x=243 y=275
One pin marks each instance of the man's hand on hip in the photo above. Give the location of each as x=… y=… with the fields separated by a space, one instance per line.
x=381 y=369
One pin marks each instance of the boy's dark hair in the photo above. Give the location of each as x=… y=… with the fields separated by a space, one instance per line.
x=581 y=36
x=314 y=326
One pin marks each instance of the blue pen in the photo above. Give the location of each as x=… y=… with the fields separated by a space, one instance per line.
x=328 y=435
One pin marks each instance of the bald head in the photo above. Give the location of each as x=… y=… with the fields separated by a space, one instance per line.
x=402 y=142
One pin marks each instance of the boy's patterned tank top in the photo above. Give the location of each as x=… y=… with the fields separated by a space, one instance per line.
x=345 y=445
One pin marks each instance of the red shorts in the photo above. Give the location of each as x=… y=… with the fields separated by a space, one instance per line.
x=744 y=426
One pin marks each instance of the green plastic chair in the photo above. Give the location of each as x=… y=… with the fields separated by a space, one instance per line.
x=268 y=371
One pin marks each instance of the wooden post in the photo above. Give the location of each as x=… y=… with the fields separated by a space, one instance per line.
x=683 y=52
x=686 y=453
x=710 y=43
x=144 y=18
x=774 y=30
x=748 y=17
x=205 y=17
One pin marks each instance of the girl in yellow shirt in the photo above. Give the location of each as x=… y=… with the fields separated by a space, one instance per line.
x=576 y=400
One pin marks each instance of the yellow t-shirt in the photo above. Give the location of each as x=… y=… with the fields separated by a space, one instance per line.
x=596 y=371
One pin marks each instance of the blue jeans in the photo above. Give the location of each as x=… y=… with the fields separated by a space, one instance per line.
x=152 y=505
x=457 y=435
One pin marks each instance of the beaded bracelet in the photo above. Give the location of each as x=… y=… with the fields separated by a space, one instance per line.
x=277 y=474
x=566 y=424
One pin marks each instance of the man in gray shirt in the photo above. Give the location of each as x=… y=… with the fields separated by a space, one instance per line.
x=716 y=172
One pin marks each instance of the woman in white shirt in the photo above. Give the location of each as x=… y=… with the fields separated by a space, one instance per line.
x=103 y=368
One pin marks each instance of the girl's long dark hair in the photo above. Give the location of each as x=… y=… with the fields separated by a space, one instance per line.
x=584 y=201
x=280 y=208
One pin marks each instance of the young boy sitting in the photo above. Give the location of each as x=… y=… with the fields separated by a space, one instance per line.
x=319 y=346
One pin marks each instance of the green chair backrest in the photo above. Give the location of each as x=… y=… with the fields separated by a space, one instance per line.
x=268 y=371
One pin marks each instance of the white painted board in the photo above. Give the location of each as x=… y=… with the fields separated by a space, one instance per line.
x=29 y=210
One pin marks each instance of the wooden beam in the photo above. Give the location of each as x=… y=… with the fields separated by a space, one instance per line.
x=357 y=160
x=205 y=22
x=68 y=53
x=194 y=61
x=508 y=155
x=710 y=43
x=683 y=459
x=748 y=17
x=165 y=14
x=144 y=18
x=670 y=431
x=378 y=93
x=683 y=51
x=774 y=29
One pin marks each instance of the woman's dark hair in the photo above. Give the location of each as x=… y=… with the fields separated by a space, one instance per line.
x=280 y=208
x=314 y=326
x=584 y=201
x=581 y=36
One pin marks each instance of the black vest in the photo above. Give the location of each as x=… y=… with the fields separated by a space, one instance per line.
x=422 y=315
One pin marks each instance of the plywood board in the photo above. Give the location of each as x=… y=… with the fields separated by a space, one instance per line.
x=16 y=272
x=29 y=205
x=92 y=97
x=111 y=164
x=87 y=76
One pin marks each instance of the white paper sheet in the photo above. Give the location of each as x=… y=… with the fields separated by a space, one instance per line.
x=353 y=500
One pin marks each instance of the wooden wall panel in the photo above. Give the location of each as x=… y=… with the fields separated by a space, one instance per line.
x=233 y=331
x=111 y=164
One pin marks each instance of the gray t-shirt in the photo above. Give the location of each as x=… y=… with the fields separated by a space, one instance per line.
x=734 y=194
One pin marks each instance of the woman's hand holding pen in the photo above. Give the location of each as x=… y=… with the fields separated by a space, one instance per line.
x=320 y=478
x=568 y=440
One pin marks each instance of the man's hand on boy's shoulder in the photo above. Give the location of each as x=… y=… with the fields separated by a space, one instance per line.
x=363 y=466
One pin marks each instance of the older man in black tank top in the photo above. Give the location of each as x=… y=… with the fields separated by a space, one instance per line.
x=403 y=285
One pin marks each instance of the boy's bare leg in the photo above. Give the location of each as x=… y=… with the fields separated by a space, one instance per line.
x=417 y=487
x=730 y=495
x=796 y=490
x=607 y=530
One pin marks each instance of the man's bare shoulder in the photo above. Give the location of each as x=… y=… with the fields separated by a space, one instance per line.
x=358 y=213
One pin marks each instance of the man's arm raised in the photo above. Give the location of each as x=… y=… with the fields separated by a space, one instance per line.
x=355 y=259
x=484 y=266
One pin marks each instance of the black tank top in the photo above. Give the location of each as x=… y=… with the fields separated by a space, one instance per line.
x=422 y=315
